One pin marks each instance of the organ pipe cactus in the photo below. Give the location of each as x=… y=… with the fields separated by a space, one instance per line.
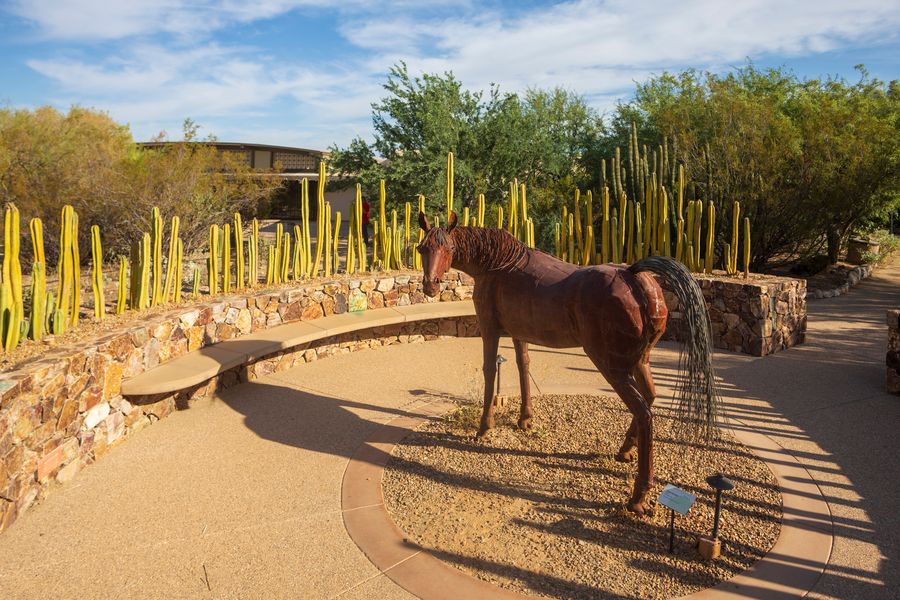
x=337 y=240
x=279 y=244
x=195 y=286
x=746 y=247
x=298 y=253
x=97 y=273
x=143 y=281
x=449 y=187
x=122 y=292
x=213 y=261
x=179 y=261
x=320 y=219
x=328 y=261
x=226 y=258
x=38 y=316
x=11 y=303
x=253 y=254
x=156 y=295
x=168 y=291
x=284 y=266
x=710 y=237
x=239 y=251
x=407 y=221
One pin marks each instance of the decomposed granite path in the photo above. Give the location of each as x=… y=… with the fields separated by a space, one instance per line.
x=240 y=496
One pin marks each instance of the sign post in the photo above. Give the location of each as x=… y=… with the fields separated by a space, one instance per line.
x=676 y=500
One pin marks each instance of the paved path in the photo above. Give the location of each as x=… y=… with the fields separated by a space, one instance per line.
x=239 y=497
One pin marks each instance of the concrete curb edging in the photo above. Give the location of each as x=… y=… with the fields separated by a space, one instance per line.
x=791 y=567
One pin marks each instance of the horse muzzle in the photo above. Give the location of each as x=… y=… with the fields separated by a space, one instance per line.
x=431 y=287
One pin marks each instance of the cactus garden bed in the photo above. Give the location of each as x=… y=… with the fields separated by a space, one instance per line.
x=542 y=512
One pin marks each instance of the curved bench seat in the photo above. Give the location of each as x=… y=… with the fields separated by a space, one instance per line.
x=201 y=365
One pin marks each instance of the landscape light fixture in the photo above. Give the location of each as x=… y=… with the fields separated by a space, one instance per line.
x=711 y=547
x=500 y=360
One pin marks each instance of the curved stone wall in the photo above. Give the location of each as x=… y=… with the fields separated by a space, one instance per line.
x=65 y=410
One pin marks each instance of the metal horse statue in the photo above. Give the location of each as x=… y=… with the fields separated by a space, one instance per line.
x=616 y=313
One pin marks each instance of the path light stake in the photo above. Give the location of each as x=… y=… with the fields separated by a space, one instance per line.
x=500 y=360
x=710 y=547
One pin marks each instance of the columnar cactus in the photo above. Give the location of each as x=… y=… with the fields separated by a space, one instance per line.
x=38 y=317
x=253 y=254
x=97 y=273
x=168 y=292
x=122 y=292
x=213 y=261
x=449 y=187
x=710 y=238
x=320 y=219
x=239 y=251
x=226 y=258
x=336 y=241
x=279 y=245
x=11 y=303
x=143 y=287
x=156 y=296
x=746 y=247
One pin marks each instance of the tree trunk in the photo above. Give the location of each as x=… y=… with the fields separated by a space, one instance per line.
x=833 y=237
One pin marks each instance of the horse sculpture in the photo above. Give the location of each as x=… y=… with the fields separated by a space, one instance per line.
x=616 y=313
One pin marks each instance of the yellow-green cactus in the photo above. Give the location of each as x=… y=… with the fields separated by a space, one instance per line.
x=226 y=258
x=238 y=251
x=156 y=295
x=168 y=291
x=122 y=295
x=97 y=273
x=746 y=247
x=213 y=261
x=710 y=237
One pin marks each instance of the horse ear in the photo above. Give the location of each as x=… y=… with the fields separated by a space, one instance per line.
x=451 y=222
x=423 y=222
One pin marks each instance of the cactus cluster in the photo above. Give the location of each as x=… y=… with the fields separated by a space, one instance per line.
x=643 y=212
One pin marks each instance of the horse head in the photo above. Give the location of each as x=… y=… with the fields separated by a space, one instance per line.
x=437 y=253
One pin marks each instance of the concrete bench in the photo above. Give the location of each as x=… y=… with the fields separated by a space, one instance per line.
x=201 y=365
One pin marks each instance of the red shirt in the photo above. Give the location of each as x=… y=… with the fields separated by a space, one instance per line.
x=365 y=212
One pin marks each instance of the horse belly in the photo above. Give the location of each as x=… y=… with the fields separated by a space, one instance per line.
x=543 y=321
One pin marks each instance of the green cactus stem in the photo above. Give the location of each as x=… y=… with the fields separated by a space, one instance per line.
x=97 y=273
x=212 y=262
x=156 y=295
x=239 y=252
x=122 y=291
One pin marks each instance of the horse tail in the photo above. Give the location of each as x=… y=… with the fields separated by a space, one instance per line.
x=697 y=399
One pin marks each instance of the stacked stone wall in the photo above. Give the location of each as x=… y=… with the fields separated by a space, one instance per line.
x=759 y=317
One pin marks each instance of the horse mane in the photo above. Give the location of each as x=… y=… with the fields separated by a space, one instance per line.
x=491 y=248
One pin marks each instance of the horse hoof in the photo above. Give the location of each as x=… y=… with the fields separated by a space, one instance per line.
x=636 y=507
x=482 y=433
x=525 y=424
x=625 y=457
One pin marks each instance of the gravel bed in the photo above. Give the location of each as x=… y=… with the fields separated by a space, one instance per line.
x=542 y=512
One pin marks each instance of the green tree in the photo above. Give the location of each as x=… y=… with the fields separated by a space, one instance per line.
x=546 y=139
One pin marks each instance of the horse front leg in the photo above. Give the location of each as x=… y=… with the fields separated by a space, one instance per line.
x=522 y=361
x=489 y=367
x=627 y=388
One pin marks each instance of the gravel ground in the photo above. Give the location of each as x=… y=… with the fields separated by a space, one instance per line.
x=542 y=512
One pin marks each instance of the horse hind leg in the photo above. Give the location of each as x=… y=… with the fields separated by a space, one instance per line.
x=644 y=380
x=627 y=388
x=523 y=361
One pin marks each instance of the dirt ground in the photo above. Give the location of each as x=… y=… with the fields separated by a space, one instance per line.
x=542 y=512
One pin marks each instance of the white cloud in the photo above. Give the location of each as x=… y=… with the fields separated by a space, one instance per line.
x=168 y=68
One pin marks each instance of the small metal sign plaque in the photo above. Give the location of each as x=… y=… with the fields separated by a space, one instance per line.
x=677 y=499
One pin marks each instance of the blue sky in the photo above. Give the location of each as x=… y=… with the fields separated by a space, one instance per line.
x=304 y=72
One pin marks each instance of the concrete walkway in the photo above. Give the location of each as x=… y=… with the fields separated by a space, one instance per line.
x=239 y=497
